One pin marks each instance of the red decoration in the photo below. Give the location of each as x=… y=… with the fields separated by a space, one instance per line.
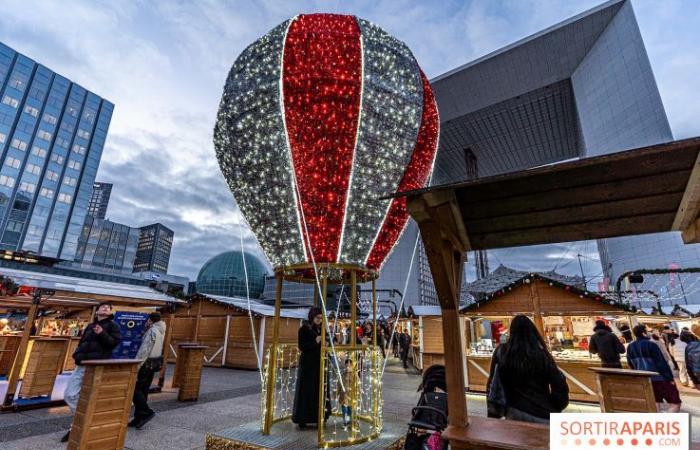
x=322 y=84
x=415 y=177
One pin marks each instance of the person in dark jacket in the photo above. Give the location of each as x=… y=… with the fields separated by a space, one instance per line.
x=606 y=345
x=306 y=396
x=533 y=384
x=643 y=354
x=405 y=343
x=97 y=342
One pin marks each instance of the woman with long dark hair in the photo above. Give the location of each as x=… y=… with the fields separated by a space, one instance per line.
x=533 y=385
x=308 y=376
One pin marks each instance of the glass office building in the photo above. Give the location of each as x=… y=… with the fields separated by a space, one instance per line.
x=99 y=200
x=153 y=252
x=107 y=246
x=52 y=133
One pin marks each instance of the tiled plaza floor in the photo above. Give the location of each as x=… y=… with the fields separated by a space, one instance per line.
x=228 y=397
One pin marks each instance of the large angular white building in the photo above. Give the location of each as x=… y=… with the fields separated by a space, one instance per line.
x=581 y=88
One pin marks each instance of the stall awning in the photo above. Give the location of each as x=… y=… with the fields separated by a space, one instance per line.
x=258 y=308
x=646 y=190
x=424 y=310
x=65 y=285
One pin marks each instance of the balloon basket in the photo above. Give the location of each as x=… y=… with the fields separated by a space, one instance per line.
x=350 y=390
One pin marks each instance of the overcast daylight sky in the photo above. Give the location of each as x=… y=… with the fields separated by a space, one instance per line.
x=163 y=64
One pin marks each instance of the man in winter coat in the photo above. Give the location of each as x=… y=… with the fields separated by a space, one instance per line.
x=606 y=345
x=97 y=342
x=643 y=354
x=151 y=355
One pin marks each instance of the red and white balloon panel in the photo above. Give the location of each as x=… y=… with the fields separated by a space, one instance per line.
x=320 y=118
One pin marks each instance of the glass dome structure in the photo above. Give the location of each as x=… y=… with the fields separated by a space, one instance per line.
x=224 y=275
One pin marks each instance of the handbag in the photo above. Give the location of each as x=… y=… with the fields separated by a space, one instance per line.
x=154 y=364
x=496 y=400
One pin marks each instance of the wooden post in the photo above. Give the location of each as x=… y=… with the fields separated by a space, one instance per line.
x=22 y=350
x=105 y=401
x=272 y=363
x=445 y=242
x=199 y=317
x=169 y=323
x=537 y=312
x=192 y=362
x=315 y=296
x=223 y=353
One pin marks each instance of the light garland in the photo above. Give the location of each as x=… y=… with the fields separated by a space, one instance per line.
x=338 y=105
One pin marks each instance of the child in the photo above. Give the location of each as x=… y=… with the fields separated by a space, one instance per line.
x=345 y=396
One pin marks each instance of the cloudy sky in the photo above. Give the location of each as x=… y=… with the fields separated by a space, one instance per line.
x=163 y=64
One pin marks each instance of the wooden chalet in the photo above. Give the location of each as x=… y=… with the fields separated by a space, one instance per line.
x=224 y=326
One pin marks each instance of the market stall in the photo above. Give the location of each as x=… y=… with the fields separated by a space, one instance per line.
x=563 y=313
x=223 y=325
x=49 y=313
x=425 y=327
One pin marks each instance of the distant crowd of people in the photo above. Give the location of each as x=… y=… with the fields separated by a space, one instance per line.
x=526 y=384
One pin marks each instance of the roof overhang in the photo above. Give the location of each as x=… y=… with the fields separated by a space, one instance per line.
x=645 y=190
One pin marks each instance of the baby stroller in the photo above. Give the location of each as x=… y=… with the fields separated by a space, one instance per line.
x=429 y=417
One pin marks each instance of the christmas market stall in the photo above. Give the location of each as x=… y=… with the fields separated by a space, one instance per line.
x=230 y=334
x=425 y=327
x=44 y=315
x=562 y=310
x=686 y=316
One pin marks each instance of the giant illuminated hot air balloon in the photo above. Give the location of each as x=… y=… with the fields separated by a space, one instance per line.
x=320 y=118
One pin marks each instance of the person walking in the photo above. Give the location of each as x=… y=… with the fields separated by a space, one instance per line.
x=692 y=357
x=661 y=343
x=306 y=395
x=151 y=355
x=678 y=347
x=405 y=343
x=532 y=383
x=606 y=345
x=644 y=354
x=97 y=342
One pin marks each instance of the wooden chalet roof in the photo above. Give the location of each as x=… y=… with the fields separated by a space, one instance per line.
x=646 y=190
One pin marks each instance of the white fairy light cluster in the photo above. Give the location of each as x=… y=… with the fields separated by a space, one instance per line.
x=367 y=392
x=390 y=120
x=250 y=145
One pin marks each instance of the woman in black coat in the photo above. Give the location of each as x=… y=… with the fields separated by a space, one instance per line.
x=308 y=376
x=533 y=384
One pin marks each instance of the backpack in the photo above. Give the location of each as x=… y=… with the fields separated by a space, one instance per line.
x=644 y=361
x=692 y=356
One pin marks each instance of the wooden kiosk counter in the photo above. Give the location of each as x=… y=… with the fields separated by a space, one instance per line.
x=564 y=314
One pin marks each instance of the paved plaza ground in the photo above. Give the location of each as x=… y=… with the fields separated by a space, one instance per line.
x=228 y=397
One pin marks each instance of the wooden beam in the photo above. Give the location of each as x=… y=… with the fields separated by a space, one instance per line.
x=570 y=215
x=446 y=260
x=691 y=233
x=528 y=202
x=199 y=318
x=536 y=308
x=169 y=323
x=690 y=204
x=639 y=224
x=21 y=351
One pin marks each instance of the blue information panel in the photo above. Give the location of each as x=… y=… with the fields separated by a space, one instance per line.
x=131 y=325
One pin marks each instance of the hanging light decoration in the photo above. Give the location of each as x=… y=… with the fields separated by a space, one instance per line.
x=319 y=119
